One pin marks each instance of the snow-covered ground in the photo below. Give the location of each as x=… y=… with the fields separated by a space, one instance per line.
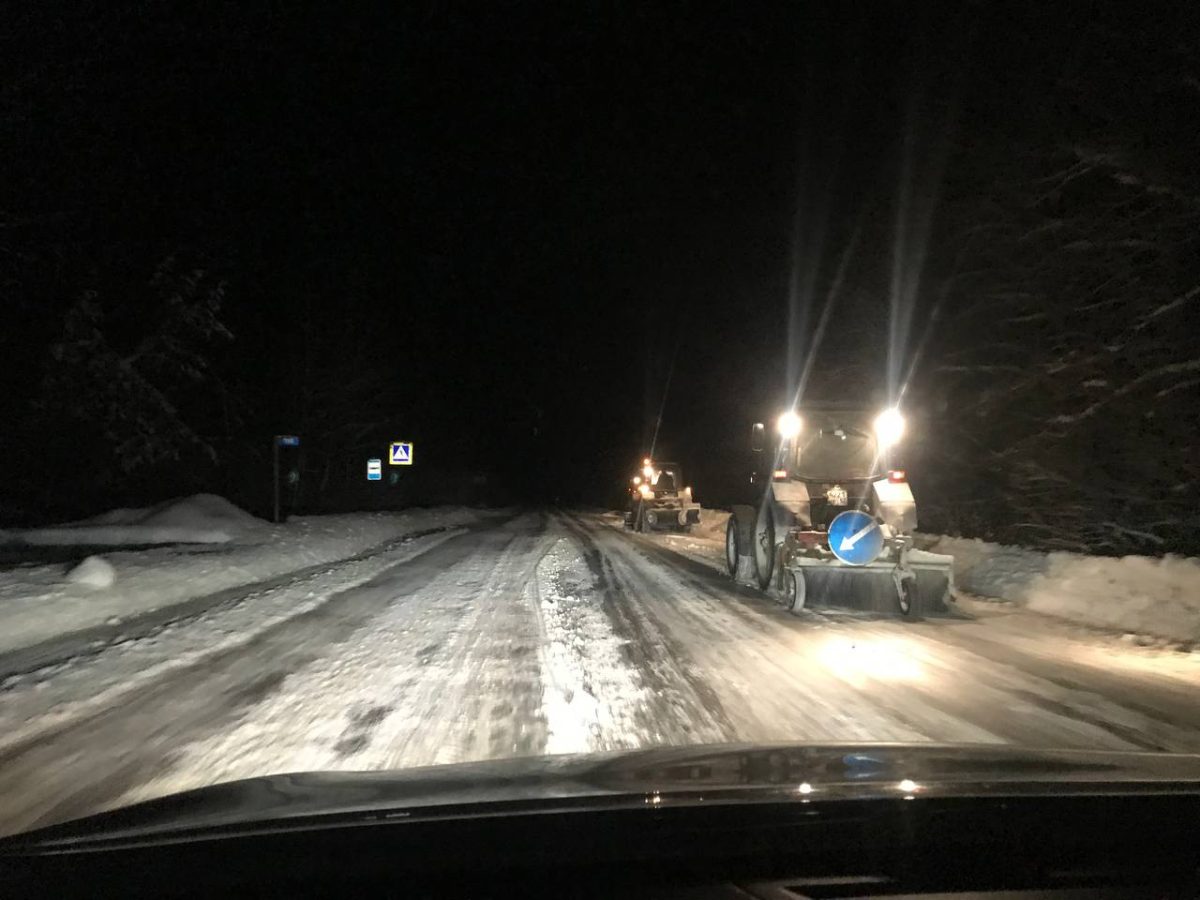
x=40 y=700
x=41 y=602
x=538 y=634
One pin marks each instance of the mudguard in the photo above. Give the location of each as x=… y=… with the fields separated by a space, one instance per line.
x=896 y=505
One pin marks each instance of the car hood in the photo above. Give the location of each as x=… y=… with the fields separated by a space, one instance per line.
x=662 y=777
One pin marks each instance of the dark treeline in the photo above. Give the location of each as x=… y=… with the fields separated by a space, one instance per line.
x=498 y=235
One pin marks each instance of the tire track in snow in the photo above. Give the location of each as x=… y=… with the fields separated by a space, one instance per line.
x=34 y=708
x=744 y=680
x=682 y=706
x=593 y=699
x=90 y=761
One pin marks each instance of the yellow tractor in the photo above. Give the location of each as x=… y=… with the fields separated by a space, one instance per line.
x=659 y=500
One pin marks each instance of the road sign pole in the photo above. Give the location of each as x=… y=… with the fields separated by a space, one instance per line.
x=275 y=481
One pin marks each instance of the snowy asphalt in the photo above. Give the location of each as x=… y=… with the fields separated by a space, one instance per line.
x=555 y=633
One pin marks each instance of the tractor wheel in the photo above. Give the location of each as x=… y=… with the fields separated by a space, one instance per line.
x=764 y=545
x=795 y=590
x=906 y=597
x=732 y=550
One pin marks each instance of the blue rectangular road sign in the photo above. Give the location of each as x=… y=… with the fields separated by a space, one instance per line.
x=401 y=453
x=288 y=440
x=374 y=470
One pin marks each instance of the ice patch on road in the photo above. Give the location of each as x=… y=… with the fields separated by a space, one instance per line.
x=591 y=692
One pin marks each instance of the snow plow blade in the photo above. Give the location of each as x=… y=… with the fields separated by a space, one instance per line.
x=872 y=588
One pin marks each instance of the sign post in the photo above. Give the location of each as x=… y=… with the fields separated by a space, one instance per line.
x=281 y=440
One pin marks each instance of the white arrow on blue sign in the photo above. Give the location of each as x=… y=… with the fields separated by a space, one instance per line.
x=855 y=538
x=374 y=470
x=401 y=453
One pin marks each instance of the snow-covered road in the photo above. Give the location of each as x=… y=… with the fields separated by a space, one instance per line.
x=552 y=633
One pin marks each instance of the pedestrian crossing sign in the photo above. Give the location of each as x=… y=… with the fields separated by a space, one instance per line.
x=401 y=453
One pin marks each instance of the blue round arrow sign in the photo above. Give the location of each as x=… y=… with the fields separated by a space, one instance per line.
x=855 y=538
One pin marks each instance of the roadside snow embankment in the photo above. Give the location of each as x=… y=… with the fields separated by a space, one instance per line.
x=200 y=519
x=39 y=602
x=712 y=525
x=1142 y=594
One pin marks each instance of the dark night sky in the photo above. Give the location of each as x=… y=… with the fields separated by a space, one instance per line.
x=520 y=213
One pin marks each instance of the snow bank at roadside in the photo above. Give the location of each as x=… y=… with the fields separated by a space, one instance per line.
x=1134 y=593
x=990 y=570
x=40 y=602
x=712 y=525
x=199 y=519
x=1142 y=594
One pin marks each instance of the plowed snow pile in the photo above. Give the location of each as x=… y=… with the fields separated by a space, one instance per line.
x=200 y=519
x=1133 y=593
x=712 y=525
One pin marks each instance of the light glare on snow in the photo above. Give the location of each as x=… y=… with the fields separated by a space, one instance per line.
x=857 y=660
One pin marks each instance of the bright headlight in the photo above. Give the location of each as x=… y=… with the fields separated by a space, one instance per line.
x=889 y=427
x=789 y=425
x=644 y=490
x=648 y=472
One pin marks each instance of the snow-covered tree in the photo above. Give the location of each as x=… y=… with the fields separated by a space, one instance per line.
x=121 y=372
x=1066 y=361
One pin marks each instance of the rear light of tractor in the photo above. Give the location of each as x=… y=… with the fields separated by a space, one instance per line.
x=896 y=476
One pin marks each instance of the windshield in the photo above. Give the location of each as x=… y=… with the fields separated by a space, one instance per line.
x=337 y=345
x=836 y=447
x=666 y=480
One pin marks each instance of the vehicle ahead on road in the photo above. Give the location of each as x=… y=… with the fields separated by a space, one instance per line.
x=829 y=520
x=736 y=821
x=659 y=499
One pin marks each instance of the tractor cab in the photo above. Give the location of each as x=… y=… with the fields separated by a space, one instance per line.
x=829 y=460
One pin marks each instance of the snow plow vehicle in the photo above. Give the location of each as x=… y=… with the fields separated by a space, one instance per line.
x=832 y=523
x=659 y=500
